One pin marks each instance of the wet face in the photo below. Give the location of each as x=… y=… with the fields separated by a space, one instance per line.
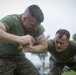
x=61 y=43
x=30 y=23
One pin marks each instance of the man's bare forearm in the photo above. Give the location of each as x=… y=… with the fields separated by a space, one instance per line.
x=39 y=49
x=6 y=37
x=35 y=49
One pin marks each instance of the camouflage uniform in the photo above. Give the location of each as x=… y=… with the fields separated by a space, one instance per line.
x=17 y=65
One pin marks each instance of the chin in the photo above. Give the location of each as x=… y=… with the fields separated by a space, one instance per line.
x=58 y=50
x=29 y=30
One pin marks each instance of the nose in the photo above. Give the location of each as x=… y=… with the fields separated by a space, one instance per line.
x=33 y=25
x=58 y=44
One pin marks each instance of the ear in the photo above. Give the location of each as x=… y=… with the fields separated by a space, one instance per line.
x=24 y=18
x=69 y=42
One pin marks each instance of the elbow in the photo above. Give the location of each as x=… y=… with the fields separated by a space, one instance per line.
x=45 y=47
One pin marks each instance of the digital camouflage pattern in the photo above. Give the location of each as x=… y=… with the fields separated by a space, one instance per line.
x=17 y=65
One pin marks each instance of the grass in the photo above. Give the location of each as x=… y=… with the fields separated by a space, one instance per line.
x=69 y=73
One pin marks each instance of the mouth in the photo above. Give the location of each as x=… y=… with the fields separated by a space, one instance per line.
x=58 y=49
x=30 y=29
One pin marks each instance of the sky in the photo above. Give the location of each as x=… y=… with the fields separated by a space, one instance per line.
x=59 y=14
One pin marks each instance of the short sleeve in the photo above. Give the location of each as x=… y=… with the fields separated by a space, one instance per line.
x=8 y=22
x=50 y=44
x=40 y=30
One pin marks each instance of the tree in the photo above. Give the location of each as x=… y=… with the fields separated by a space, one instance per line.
x=42 y=56
x=74 y=37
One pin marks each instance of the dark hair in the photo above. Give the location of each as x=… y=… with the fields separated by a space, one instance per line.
x=62 y=32
x=36 y=12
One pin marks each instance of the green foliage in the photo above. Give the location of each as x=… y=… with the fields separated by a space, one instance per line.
x=69 y=73
x=74 y=37
x=42 y=56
